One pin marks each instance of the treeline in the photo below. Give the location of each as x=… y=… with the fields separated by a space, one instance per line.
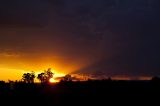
x=44 y=77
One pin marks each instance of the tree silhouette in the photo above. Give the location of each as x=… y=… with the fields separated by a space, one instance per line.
x=67 y=78
x=28 y=77
x=32 y=77
x=41 y=77
x=49 y=74
x=155 y=78
x=45 y=76
x=25 y=77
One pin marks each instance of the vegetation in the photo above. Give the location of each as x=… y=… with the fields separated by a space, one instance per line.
x=28 y=77
x=85 y=93
x=67 y=78
x=45 y=76
x=67 y=91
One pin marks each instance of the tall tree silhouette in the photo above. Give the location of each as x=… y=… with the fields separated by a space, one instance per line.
x=28 y=77
x=45 y=76
x=49 y=74
x=41 y=77
x=32 y=76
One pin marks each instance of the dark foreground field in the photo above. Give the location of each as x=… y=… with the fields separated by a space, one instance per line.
x=100 y=93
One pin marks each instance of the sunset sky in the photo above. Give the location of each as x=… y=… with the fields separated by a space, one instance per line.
x=93 y=37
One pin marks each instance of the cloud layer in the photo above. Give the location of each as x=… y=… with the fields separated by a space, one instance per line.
x=110 y=36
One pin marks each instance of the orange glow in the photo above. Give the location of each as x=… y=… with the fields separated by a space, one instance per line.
x=13 y=64
x=52 y=80
x=12 y=67
x=132 y=78
x=56 y=75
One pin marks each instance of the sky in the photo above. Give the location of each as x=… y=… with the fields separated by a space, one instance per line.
x=93 y=37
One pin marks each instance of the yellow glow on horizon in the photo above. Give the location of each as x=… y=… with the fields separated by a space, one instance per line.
x=52 y=80
x=56 y=75
x=11 y=74
x=14 y=65
x=16 y=74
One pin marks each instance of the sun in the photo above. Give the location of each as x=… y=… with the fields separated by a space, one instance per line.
x=52 y=80
x=56 y=75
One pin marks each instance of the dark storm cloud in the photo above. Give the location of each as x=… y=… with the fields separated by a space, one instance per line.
x=23 y=13
x=122 y=35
